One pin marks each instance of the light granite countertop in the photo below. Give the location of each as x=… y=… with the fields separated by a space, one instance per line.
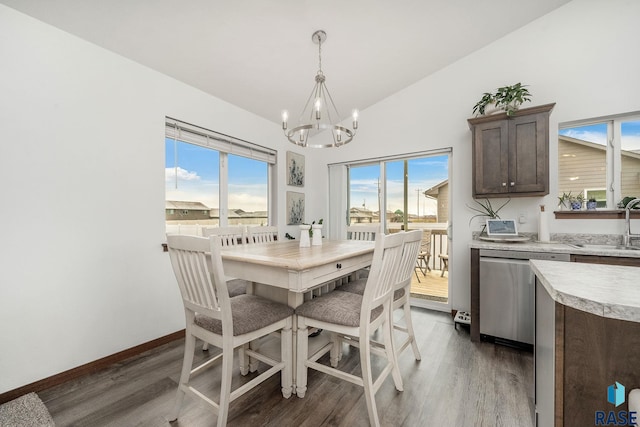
x=554 y=247
x=605 y=290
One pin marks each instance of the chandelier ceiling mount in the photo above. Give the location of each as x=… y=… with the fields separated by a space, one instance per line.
x=320 y=118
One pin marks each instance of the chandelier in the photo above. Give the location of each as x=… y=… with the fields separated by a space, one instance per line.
x=320 y=114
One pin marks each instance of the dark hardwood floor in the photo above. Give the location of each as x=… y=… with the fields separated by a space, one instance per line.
x=457 y=383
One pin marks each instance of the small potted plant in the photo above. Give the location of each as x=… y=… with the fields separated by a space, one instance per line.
x=576 y=202
x=485 y=209
x=506 y=98
x=564 y=201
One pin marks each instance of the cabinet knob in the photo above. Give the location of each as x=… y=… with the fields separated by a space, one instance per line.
x=513 y=183
x=504 y=184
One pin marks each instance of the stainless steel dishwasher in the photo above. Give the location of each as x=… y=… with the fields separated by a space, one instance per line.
x=507 y=294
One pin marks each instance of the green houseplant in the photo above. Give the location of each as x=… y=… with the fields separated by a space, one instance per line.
x=506 y=98
x=485 y=209
x=576 y=202
x=564 y=201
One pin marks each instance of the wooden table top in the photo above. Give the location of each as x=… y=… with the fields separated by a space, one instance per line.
x=289 y=255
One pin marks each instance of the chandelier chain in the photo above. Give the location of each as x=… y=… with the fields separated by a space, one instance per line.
x=319 y=53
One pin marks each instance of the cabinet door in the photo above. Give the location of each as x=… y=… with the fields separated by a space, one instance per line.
x=490 y=158
x=528 y=154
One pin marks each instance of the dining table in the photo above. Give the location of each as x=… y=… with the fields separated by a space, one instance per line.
x=285 y=272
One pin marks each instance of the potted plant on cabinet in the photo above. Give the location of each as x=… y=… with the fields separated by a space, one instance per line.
x=506 y=98
x=576 y=202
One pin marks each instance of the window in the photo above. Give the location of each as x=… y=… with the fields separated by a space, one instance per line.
x=403 y=192
x=426 y=185
x=214 y=180
x=600 y=159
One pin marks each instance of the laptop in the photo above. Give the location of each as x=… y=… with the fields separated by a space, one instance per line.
x=502 y=228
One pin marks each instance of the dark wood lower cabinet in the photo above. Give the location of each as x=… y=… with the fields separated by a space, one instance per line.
x=588 y=354
x=611 y=260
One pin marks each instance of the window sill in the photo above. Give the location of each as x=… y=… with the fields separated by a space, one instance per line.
x=595 y=214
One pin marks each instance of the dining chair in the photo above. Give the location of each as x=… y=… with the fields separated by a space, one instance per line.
x=347 y=315
x=230 y=236
x=402 y=290
x=363 y=232
x=262 y=234
x=225 y=322
x=445 y=262
x=422 y=264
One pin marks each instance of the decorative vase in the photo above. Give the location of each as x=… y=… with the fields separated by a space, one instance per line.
x=316 y=240
x=576 y=206
x=305 y=240
x=591 y=205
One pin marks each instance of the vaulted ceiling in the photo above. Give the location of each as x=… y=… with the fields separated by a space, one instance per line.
x=258 y=54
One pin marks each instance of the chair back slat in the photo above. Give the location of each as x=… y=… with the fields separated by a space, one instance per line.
x=384 y=267
x=363 y=232
x=229 y=236
x=262 y=234
x=199 y=273
x=410 y=249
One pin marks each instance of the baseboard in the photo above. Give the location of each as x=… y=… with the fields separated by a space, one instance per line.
x=89 y=368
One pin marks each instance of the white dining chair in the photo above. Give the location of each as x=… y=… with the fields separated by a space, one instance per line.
x=402 y=290
x=229 y=236
x=363 y=232
x=347 y=315
x=225 y=322
x=262 y=234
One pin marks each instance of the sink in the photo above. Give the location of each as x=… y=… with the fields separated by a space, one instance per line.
x=604 y=247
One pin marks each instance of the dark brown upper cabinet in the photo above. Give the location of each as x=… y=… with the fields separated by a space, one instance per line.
x=511 y=153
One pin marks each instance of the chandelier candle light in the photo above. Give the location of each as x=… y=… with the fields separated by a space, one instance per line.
x=320 y=114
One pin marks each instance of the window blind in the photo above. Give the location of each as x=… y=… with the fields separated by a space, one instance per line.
x=185 y=132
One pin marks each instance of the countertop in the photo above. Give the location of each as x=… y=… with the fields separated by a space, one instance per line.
x=554 y=247
x=605 y=290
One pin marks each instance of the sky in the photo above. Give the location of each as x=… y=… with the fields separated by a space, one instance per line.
x=198 y=178
x=424 y=173
x=197 y=174
x=597 y=133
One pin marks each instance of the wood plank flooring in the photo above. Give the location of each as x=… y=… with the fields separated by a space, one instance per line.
x=457 y=383
x=432 y=286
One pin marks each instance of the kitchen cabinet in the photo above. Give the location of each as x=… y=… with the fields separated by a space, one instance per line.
x=581 y=348
x=610 y=260
x=511 y=153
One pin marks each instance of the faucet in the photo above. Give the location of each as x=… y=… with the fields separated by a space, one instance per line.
x=627 y=217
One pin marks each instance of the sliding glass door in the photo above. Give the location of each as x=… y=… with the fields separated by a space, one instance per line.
x=407 y=194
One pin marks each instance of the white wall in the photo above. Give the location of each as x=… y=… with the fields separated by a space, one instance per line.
x=83 y=275
x=82 y=136
x=583 y=56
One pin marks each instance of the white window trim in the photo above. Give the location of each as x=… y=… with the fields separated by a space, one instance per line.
x=613 y=157
x=225 y=145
